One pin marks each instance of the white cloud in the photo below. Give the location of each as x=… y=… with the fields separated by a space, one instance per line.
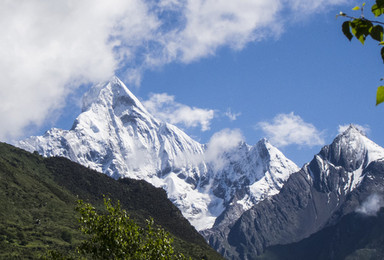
x=371 y=205
x=287 y=129
x=304 y=7
x=363 y=129
x=231 y=115
x=211 y=24
x=164 y=107
x=48 y=48
x=220 y=143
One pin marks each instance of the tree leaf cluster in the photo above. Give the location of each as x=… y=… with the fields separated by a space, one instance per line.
x=362 y=28
x=114 y=235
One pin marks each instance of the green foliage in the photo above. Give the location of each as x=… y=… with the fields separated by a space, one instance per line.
x=56 y=255
x=38 y=199
x=35 y=212
x=380 y=95
x=362 y=28
x=66 y=236
x=346 y=30
x=378 y=8
x=115 y=236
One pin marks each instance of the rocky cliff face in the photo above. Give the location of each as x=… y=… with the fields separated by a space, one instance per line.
x=354 y=231
x=319 y=194
x=116 y=135
x=273 y=169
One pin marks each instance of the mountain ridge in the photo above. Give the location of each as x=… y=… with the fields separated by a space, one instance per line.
x=312 y=199
x=354 y=231
x=243 y=199
x=116 y=135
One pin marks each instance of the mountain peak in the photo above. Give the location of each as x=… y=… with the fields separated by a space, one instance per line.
x=353 y=130
x=352 y=149
x=268 y=151
x=115 y=134
x=264 y=141
x=265 y=147
x=110 y=93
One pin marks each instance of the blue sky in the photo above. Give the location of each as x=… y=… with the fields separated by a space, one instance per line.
x=311 y=70
x=282 y=68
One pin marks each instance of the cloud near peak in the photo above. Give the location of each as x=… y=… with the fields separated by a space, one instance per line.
x=164 y=107
x=220 y=143
x=287 y=129
x=50 y=48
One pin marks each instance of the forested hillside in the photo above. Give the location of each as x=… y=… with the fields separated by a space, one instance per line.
x=38 y=198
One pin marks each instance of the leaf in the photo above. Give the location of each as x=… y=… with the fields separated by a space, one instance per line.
x=362 y=39
x=361 y=28
x=377 y=33
x=382 y=53
x=346 y=30
x=380 y=95
x=380 y=3
x=356 y=8
x=376 y=10
x=357 y=32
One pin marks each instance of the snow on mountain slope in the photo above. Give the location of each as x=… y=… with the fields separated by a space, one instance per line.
x=260 y=171
x=267 y=171
x=116 y=135
x=331 y=186
x=352 y=151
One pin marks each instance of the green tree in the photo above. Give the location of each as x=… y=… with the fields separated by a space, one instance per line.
x=362 y=28
x=113 y=235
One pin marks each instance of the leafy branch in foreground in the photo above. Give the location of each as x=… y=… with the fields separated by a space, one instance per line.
x=361 y=28
x=114 y=235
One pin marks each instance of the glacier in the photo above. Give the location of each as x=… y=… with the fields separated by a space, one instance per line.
x=116 y=135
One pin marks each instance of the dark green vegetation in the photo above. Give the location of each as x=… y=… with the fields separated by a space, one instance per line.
x=356 y=236
x=114 y=235
x=361 y=28
x=38 y=199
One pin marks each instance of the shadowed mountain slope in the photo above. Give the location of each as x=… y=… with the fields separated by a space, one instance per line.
x=37 y=201
x=319 y=195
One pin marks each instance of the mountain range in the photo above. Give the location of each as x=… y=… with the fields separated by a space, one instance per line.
x=116 y=135
x=337 y=182
x=243 y=199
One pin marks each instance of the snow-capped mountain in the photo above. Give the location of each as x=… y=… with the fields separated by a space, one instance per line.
x=116 y=135
x=247 y=199
x=353 y=152
x=332 y=185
